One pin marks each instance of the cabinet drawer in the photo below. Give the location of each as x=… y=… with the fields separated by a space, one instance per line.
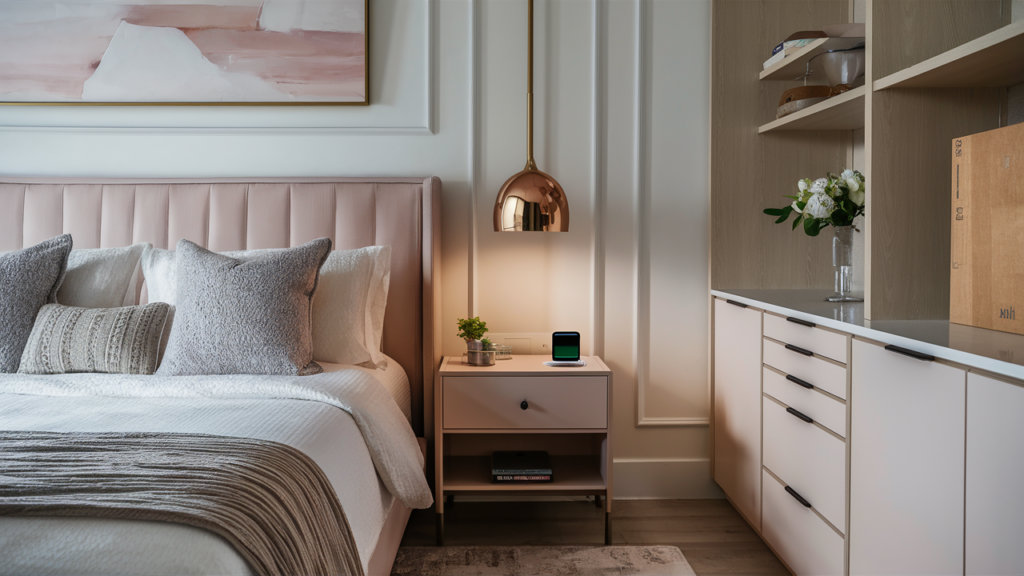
x=822 y=373
x=495 y=402
x=807 y=458
x=805 y=543
x=825 y=410
x=824 y=342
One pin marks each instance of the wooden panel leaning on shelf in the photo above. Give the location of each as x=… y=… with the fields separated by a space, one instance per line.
x=521 y=404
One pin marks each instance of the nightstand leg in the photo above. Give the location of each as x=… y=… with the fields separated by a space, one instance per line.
x=607 y=528
x=440 y=529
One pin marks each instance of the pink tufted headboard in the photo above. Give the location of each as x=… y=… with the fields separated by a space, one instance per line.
x=240 y=214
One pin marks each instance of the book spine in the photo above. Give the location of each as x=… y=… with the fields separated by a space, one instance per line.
x=517 y=478
x=773 y=60
x=961 y=297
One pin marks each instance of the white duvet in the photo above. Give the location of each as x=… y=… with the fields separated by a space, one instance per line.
x=345 y=420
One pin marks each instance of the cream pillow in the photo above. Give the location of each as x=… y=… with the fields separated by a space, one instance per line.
x=102 y=277
x=348 y=307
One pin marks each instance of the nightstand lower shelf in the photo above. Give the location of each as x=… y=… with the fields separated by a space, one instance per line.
x=572 y=475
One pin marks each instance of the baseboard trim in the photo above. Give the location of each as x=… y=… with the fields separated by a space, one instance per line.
x=664 y=479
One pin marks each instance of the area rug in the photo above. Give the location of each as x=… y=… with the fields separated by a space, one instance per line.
x=540 y=561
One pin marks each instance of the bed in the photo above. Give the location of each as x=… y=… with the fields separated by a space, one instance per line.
x=225 y=215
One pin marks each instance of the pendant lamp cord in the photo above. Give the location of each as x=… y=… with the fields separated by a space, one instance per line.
x=530 y=164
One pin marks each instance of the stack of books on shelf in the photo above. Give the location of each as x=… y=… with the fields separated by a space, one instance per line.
x=798 y=40
x=521 y=467
x=795 y=42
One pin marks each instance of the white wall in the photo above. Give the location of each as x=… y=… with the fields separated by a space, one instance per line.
x=621 y=97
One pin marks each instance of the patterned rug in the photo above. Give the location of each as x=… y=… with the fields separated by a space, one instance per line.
x=540 y=561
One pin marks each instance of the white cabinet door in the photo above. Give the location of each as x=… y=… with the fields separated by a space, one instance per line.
x=907 y=464
x=738 y=407
x=995 y=477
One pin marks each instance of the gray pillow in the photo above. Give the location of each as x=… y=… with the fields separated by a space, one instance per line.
x=251 y=317
x=68 y=339
x=29 y=278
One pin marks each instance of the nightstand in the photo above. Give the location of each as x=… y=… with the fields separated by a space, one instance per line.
x=521 y=404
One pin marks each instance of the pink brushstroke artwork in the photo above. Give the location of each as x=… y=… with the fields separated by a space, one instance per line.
x=166 y=51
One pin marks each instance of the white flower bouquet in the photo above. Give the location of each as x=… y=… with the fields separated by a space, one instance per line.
x=830 y=201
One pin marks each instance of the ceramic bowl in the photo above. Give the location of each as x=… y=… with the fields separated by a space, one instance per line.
x=843 y=66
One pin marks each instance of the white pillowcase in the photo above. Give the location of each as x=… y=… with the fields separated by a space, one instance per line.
x=348 y=306
x=102 y=277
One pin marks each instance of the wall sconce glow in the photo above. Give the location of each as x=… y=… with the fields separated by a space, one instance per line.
x=531 y=201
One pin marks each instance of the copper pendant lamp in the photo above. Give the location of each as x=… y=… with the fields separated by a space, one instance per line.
x=531 y=201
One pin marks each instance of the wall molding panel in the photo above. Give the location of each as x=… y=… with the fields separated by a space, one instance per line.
x=599 y=134
x=643 y=195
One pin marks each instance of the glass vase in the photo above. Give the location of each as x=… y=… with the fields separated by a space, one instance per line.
x=842 y=262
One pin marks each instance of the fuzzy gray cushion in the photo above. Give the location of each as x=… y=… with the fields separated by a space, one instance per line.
x=244 y=317
x=68 y=339
x=29 y=278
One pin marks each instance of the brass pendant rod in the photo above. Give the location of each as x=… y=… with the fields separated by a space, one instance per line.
x=530 y=164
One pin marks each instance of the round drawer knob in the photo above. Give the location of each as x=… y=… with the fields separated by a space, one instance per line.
x=524 y=405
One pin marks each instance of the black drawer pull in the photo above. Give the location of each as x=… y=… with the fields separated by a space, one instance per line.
x=800 y=415
x=796 y=380
x=913 y=354
x=799 y=350
x=801 y=322
x=798 y=497
x=524 y=404
x=735 y=303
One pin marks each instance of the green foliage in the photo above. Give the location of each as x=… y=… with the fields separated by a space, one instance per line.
x=472 y=328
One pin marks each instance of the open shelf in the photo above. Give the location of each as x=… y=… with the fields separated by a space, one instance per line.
x=794 y=66
x=571 y=474
x=842 y=112
x=993 y=60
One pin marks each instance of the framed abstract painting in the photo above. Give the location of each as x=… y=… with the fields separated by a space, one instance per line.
x=198 y=52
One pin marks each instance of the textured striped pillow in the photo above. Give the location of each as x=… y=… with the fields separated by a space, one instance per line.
x=67 y=339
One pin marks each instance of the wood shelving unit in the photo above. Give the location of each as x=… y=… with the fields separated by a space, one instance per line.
x=571 y=474
x=990 y=61
x=794 y=66
x=842 y=112
x=937 y=71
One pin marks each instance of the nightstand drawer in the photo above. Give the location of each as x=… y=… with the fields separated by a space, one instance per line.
x=497 y=402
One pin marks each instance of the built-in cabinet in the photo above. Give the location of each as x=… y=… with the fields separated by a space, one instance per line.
x=870 y=458
x=737 y=410
x=936 y=70
x=995 y=477
x=907 y=464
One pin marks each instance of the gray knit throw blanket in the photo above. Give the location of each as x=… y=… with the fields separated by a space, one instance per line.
x=270 y=501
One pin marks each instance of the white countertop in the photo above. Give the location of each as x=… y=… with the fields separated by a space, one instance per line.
x=999 y=352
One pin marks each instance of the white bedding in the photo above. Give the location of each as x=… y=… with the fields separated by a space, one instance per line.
x=300 y=412
x=392 y=376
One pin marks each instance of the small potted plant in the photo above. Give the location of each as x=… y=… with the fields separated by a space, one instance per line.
x=472 y=330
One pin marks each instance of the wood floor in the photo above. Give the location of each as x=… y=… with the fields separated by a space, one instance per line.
x=711 y=534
